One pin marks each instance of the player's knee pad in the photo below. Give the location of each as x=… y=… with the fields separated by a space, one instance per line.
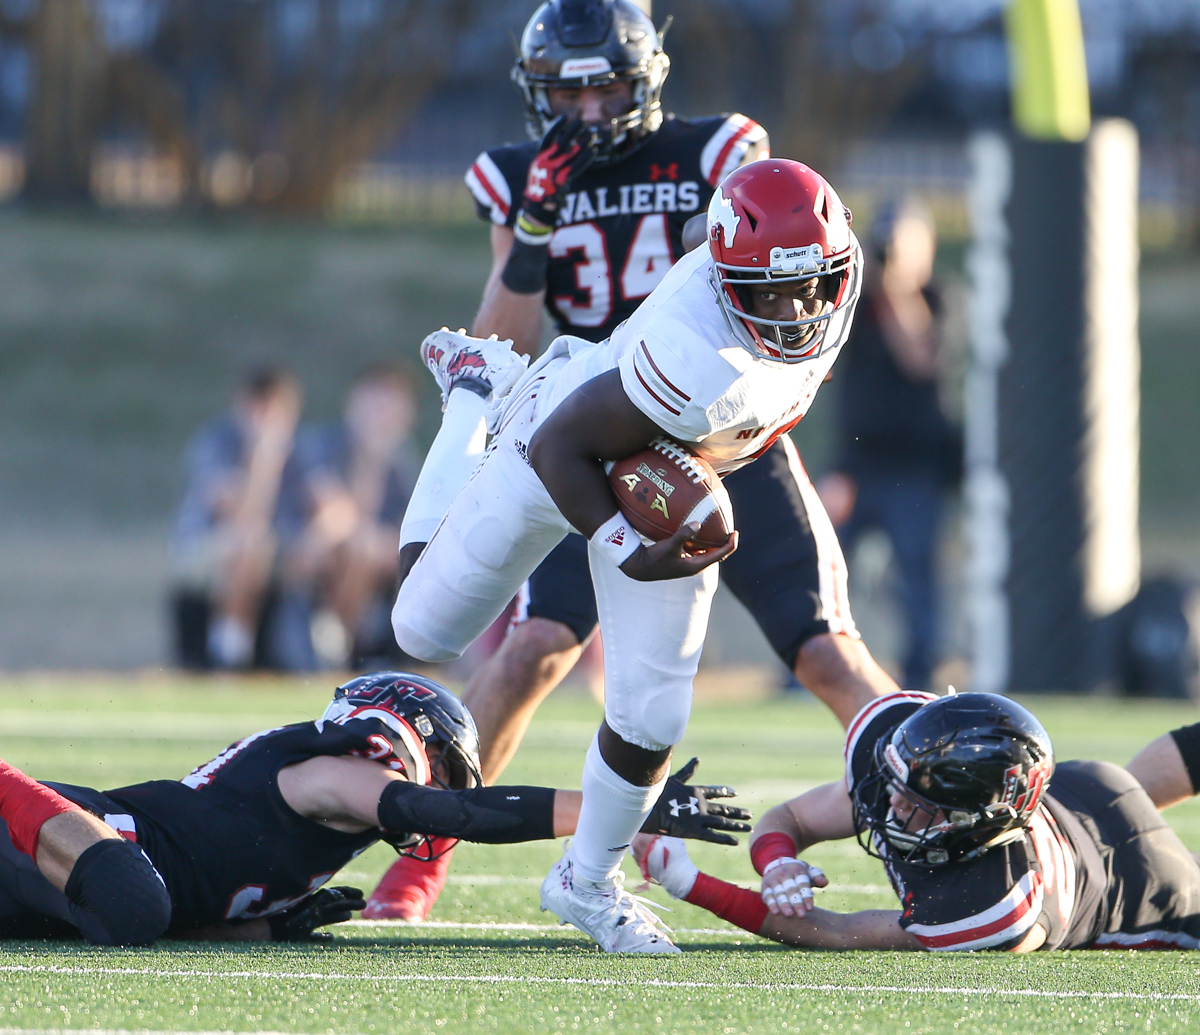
x=116 y=885
x=408 y=629
x=658 y=718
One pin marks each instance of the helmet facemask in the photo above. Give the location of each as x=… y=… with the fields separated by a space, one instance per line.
x=792 y=341
x=611 y=139
x=932 y=834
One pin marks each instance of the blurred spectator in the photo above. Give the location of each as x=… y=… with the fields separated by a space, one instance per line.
x=896 y=453
x=358 y=477
x=242 y=507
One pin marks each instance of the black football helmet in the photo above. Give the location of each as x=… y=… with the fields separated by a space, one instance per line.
x=409 y=704
x=974 y=766
x=573 y=43
x=431 y=723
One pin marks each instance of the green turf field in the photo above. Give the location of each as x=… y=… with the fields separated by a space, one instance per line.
x=490 y=961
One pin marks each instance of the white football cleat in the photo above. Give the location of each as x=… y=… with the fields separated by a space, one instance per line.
x=617 y=920
x=665 y=861
x=486 y=366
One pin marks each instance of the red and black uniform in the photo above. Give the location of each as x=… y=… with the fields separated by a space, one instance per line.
x=230 y=849
x=619 y=230
x=1098 y=867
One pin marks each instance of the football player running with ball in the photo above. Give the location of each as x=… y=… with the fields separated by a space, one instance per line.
x=585 y=224
x=240 y=848
x=987 y=844
x=725 y=356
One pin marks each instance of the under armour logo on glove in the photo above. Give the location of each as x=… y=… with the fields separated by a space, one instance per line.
x=689 y=810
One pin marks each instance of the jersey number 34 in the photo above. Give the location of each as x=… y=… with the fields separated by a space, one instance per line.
x=646 y=264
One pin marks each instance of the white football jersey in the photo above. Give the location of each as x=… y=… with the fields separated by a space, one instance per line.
x=682 y=367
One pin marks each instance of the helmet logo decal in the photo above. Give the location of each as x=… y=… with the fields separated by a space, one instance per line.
x=1028 y=799
x=721 y=216
x=573 y=67
x=896 y=762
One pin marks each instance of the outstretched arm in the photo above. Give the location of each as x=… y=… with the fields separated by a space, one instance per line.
x=353 y=795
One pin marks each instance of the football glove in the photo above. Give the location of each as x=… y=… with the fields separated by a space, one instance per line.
x=684 y=810
x=566 y=150
x=327 y=906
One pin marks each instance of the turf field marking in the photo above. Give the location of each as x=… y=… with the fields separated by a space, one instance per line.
x=506 y=979
x=498 y=879
x=125 y=1031
x=451 y=925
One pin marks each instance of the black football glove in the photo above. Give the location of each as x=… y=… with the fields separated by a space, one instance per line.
x=689 y=811
x=566 y=150
x=327 y=906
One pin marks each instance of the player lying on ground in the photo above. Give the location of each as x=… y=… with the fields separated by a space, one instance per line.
x=587 y=245
x=241 y=847
x=986 y=843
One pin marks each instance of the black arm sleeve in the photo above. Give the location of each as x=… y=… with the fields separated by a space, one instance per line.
x=487 y=815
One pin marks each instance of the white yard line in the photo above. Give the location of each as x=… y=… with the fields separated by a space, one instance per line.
x=124 y=1031
x=522 y=979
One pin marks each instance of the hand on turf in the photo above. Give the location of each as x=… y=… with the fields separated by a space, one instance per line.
x=327 y=906
x=674 y=558
x=787 y=886
x=684 y=810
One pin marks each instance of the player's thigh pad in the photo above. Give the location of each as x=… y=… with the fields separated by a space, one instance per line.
x=497 y=530
x=788 y=570
x=653 y=635
x=560 y=589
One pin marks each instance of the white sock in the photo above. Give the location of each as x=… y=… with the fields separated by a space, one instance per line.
x=454 y=455
x=613 y=811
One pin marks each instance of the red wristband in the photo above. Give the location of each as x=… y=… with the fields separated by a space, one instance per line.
x=770 y=847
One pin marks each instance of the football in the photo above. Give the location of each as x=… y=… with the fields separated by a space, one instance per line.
x=665 y=486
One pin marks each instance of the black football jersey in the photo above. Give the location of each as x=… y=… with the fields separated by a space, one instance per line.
x=1053 y=876
x=228 y=847
x=621 y=228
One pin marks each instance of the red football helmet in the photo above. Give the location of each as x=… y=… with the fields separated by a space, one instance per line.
x=778 y=220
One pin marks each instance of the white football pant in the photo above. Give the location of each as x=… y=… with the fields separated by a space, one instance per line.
x=496 y=532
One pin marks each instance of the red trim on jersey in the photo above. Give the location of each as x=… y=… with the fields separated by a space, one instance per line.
x=776 y=435
x=650 y=359
x=482 y=178
x=662 y=402
x=723 y=157
x=971 y=934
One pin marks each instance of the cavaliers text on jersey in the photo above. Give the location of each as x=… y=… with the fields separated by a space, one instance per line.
x=620 y=229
